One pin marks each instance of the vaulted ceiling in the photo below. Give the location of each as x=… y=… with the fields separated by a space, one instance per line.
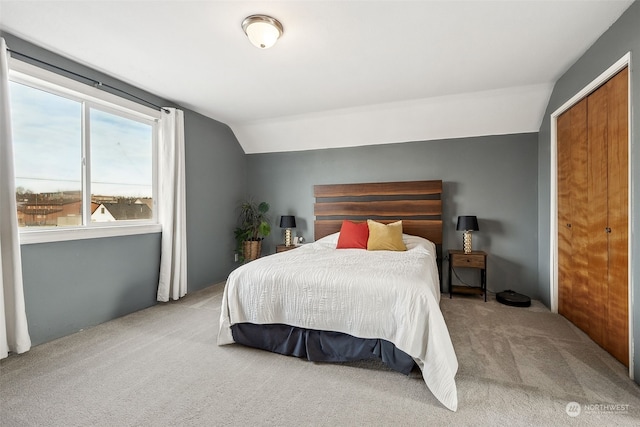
x=344 y=73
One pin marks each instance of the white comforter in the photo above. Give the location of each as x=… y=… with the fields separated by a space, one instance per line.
x=368 y=294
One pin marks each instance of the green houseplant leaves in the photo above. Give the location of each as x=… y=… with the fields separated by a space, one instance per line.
x=253 y=225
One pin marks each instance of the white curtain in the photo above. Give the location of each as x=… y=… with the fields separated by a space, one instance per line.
x=171 y=207
x=14 y=333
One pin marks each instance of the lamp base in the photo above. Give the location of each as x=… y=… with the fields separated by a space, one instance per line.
x=466 y=242
x=287 y=237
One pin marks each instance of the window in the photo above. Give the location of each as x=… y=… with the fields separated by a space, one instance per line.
x=84 y=159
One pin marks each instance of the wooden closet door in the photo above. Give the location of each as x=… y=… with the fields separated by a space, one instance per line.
x=565 y=265
x=572 y=220
x=593 y=211
x=579 y=206
x=616 y=339
x=597 y=213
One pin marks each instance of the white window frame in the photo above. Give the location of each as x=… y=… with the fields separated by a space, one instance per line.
x=30 y=75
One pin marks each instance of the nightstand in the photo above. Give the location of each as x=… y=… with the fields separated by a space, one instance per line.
x=284 y=248
x=476 y=259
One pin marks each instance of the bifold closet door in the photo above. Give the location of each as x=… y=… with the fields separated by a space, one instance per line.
x=608 y=216
x=593 y=196
x=572 y=221
x=597 y=212
x=616 y=338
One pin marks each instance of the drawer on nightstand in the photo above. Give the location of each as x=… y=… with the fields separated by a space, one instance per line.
x=284 y=248
x=468 y=260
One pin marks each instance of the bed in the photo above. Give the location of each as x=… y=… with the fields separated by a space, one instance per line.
x=328 y=304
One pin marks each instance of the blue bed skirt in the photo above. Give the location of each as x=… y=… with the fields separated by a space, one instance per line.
x=321 y=346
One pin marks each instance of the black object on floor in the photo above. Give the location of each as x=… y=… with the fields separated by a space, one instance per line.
x=515 y=299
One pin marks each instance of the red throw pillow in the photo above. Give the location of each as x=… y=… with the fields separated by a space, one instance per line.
x=353 y=235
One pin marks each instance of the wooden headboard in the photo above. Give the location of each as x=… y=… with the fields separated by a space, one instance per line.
x=417 y=203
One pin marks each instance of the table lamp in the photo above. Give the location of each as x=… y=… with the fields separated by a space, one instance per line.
x=288 y=222
x=467 y=224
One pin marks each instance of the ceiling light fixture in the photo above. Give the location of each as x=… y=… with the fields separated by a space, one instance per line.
x=263 y=31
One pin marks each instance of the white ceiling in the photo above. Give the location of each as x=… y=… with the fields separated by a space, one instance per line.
x=345 y=73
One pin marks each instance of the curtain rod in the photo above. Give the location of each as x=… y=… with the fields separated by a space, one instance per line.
x=95 y=83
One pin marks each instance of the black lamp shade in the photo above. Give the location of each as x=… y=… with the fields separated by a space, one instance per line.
x=467 y=223
x=287 y=221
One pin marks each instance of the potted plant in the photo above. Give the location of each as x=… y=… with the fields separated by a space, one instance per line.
x=254 y=227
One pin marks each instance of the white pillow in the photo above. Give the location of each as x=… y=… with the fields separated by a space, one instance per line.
x=412 y=241
x=331 y=239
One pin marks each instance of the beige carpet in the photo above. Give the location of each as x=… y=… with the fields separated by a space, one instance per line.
x=162 y=367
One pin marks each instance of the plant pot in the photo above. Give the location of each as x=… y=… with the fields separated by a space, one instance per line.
x=251 y=249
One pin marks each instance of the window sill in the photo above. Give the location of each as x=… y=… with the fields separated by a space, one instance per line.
x=28 y=237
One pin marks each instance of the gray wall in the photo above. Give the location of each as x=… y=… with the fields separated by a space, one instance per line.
x=77 y=284
x=622 y=37
x=216 y=181
x=72 y=285
x=494 y=178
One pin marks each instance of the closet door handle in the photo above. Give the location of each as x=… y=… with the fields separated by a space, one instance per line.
x=607 y=230
x=568 y=225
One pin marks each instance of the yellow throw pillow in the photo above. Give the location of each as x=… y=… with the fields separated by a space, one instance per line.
x=385 y=237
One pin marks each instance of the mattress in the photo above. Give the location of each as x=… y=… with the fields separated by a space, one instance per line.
x=367 y=294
